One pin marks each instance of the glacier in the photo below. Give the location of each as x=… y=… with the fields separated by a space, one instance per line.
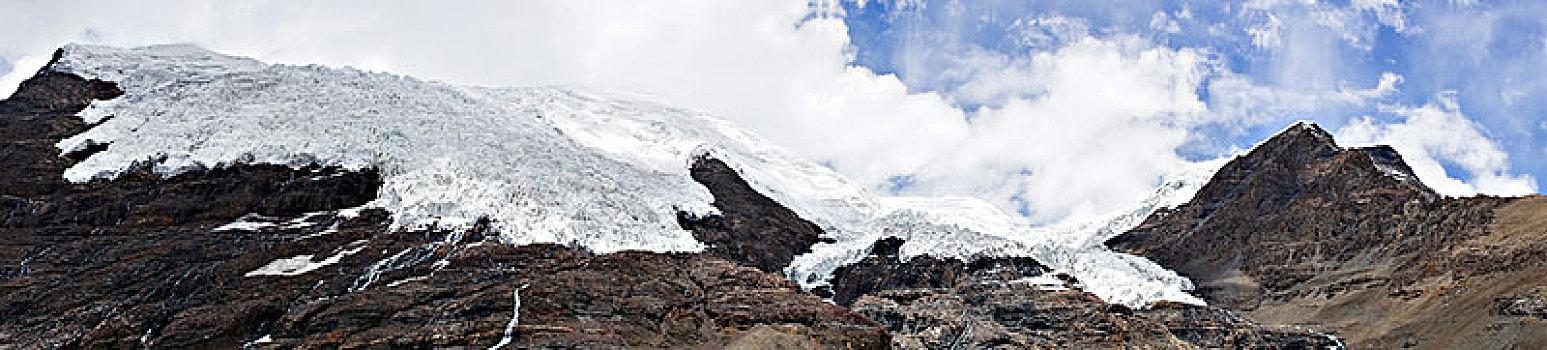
x=551 y=164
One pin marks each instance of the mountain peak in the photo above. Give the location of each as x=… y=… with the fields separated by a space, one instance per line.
x=1295 y=178
x=1300 y=224
x=1304 y=154
x=1303 y=135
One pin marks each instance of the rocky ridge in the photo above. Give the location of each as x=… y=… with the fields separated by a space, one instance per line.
x=1303 y=231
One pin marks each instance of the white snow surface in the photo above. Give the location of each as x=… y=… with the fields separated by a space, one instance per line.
x=970 y=228
x=300 y=264
x=550 y=164
x=449 y=154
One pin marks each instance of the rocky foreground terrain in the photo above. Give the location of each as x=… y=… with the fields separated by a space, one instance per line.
x=1300 y=236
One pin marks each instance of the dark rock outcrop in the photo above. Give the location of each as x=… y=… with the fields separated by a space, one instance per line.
x=35 y=194
x=751 y=228
x=39 y=114
x=996 y=302
x=1302 y=231
x=885 y=270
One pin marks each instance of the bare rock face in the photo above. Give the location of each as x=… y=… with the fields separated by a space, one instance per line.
x=1302 y=231
x=142 y=261
x=751 y=228
x=39 y=114
x=883 y=270
x=1012 y=303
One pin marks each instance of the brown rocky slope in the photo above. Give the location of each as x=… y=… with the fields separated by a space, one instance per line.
x=1302 y=231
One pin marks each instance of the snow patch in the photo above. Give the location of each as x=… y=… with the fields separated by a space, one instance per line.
x=249 y=222
x=515 y=319
x=1043 y=282
x=1394 y=172
x=300 y=264
x=265 y=339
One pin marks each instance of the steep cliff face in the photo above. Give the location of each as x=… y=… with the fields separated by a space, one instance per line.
x=1302 y=231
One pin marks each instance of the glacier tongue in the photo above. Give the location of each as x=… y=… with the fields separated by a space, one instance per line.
x=448 y=154
x=968 y=228
x=548 y=164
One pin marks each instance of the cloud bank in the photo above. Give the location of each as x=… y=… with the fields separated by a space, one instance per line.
x=1436 y=133
x=1077 y=116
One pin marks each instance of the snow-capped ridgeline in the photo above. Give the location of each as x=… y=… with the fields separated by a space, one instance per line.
x=546 y=164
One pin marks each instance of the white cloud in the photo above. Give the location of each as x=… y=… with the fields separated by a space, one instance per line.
x=1101 y=136
x=1277 y=24
x=21 y=69
x=1237 y=96
x=1161 y=22
x=1438 y=132
x=1267 y=34
x=1388 y=12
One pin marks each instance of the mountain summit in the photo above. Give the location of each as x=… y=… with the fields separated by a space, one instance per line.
x=1302 y=231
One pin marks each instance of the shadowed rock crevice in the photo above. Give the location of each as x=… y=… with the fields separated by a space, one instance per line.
x=751 y=229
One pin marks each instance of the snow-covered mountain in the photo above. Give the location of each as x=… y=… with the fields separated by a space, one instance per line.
x=550 y=164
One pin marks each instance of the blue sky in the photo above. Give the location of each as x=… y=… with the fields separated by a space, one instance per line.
x=1488 y=57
